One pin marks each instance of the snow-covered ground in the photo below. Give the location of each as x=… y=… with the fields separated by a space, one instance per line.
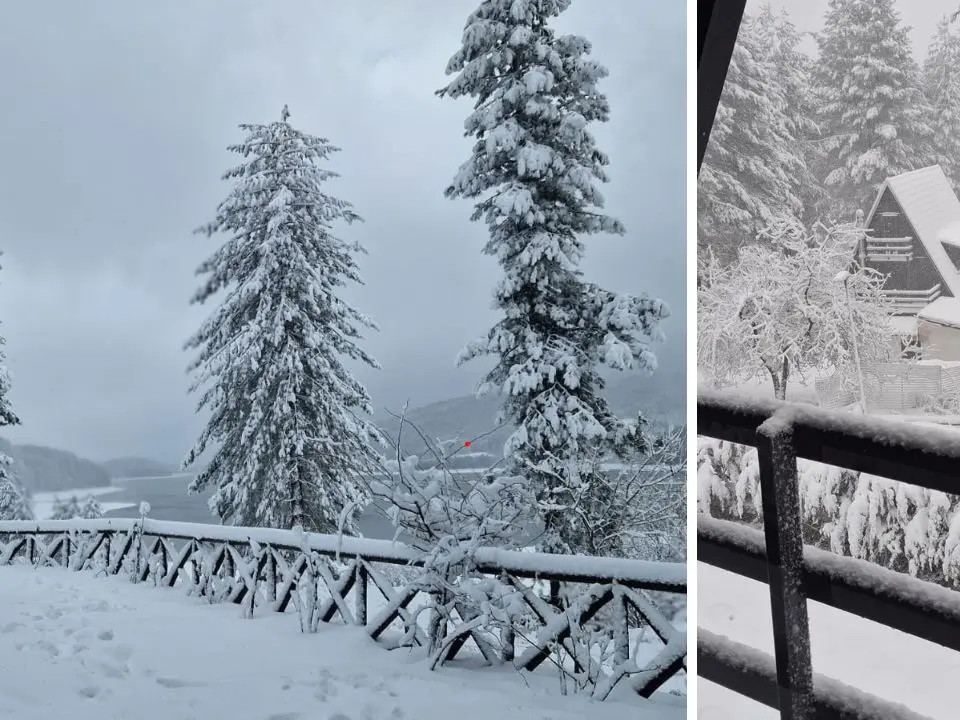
x=860 y=653
x=43 y=502
x=73 y=645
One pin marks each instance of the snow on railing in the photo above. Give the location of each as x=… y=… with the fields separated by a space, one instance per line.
x=255 y=566
x=783 y=432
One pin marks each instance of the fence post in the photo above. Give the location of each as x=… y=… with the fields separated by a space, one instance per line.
x=784 y=540
x=621 y=628
x=360 y=585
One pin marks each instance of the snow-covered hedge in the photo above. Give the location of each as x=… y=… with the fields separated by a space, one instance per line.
x=894 y=524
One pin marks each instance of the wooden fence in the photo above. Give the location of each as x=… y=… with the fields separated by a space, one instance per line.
x=892 y=387
x=782 y=433
x=253 y=566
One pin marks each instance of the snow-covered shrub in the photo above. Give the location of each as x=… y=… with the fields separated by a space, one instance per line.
x=893 y=524
x=306 y=598
x=448 y=516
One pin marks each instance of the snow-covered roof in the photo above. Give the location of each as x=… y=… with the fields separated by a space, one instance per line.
x=950 y=234
x=942 y=311
x=904 y=324
x=933 y=210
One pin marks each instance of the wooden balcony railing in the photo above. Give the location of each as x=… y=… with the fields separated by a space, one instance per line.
x=910 y=302
x=889 y=249
x=782 y=433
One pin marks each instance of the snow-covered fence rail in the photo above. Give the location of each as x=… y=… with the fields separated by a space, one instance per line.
x=782 y=433
x=251 y=567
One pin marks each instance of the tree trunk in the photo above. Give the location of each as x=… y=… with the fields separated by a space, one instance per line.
x=298 y=515
x=779 y=388
x=779 y=378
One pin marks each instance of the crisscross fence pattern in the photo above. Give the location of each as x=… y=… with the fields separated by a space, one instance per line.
x=253 y=567
x=783 y=432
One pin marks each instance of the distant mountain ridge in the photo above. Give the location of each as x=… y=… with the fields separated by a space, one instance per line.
x=661 y=398
x=46 y=469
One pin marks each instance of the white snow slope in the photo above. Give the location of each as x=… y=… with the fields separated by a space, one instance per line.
x=43 y=502
x=870 y=657
x=74 y=646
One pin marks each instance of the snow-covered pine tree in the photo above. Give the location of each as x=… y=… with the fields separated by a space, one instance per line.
x=754 y=167
x=91 y=509
x=13 y=500
x=793 y=69
x=872 y=111
x=65 y=509
x=289 y=423
x=941 y=84
x=14 y=504
x=534 y=169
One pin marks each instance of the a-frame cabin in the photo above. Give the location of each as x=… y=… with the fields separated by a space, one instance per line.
x=913 y=237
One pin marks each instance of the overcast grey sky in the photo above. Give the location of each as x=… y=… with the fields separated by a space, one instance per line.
x=116 y=116
x=921 y=15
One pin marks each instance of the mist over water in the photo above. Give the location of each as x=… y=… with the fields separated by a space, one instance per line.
x=169 y=500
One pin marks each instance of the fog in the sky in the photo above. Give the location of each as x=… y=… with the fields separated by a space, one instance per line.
x=114 y=123
x=921 y=16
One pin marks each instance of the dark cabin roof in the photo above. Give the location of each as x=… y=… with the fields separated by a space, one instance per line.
x=932 y=208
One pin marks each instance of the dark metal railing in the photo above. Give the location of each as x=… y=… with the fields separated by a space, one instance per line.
x=783 y=432
x=718 y=23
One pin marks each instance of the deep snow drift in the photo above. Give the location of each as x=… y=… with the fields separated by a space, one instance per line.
x=870 y=657
x=76 y=646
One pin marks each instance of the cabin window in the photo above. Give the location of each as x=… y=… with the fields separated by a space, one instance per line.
x=910 y=347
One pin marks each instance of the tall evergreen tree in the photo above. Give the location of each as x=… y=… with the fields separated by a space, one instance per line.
x=872 y=112
x=289 y=423
x=13 y=500
x=941 y=84
x=793 y=70
x=534 y=170
x=754 y=170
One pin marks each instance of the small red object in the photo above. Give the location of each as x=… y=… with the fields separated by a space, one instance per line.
x=466 y=443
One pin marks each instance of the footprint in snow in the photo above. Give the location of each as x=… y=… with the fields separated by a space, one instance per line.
x=112 y=671
x=120 y=653
x=284 y=716
x=98 y=606
x=173 y=683
x=48 y=648
x=105 y=635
